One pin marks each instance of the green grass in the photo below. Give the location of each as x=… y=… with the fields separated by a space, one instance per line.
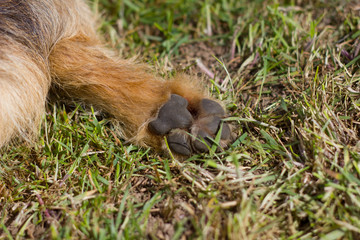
x=289 y=75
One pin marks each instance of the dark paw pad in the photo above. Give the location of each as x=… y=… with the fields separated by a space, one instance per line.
x=206 y=129
x=172 y=115
x=175 y=121
x=179 y=143
x=210 y=107
x=202 y=142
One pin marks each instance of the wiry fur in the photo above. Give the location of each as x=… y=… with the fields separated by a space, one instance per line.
x=54 y=42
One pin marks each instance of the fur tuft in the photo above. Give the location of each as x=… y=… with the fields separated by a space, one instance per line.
x=54 y=42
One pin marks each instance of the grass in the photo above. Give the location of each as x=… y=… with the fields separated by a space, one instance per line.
x=288 y=72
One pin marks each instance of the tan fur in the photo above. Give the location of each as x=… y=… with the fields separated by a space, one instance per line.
x=54 y=42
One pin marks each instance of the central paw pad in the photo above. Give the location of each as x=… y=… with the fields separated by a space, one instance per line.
x=172 y=115
x=187 y=133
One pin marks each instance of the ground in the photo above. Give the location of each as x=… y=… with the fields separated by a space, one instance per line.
x=288 y=73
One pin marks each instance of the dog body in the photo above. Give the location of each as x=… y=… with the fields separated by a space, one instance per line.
x=54 y=43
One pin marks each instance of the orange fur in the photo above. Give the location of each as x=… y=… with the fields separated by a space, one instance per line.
x=55 y=42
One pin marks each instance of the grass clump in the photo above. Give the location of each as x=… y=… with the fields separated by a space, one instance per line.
x=288 y=72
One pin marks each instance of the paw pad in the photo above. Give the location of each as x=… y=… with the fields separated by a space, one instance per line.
x=172 y=115
x=179 y=143
x=175 y=121
x=207 y=128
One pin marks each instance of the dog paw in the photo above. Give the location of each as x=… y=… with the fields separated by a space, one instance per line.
x=192 y=131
